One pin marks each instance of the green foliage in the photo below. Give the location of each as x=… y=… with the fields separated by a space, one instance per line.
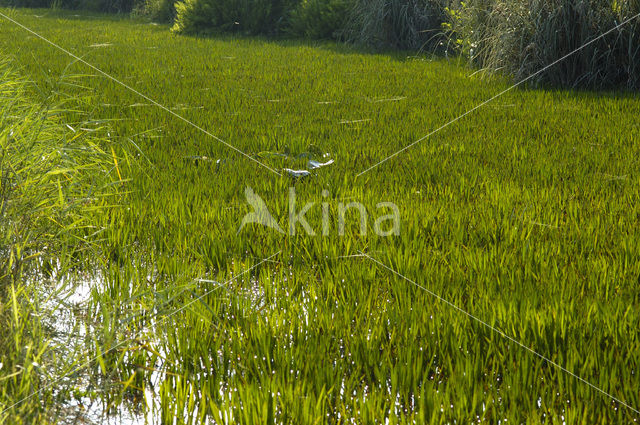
x=49 y=175
x=108 y=6
x=524 y=213
x=522 y=37
x=321 y=19
x=246 y=16
x=26 y=3
x=160 y=10
x=401 y=24
x=54 y=175
x=23 y=349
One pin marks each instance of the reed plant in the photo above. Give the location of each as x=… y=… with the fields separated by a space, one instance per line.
x=522 y=37
x=399 y=24
x=55 y=173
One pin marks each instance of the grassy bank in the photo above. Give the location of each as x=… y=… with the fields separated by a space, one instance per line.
x=523 y=214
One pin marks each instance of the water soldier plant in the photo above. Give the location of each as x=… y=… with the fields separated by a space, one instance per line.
x=523 y=214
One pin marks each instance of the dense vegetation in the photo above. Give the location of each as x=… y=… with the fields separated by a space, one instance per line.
x=517 y=37
x=523 y=37
x=110 y=6
x=407 y=24
x=53 y=176
x=524 y=214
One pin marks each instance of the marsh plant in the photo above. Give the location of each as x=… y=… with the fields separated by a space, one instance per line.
x=399 y=24
x=52 y=175
x=384 y=225
x=523 y=214
x=55 y=175
x=524 y=36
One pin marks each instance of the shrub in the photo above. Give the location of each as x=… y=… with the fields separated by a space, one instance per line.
x=247 y=16
x=25 y=3
x=403 y=24
x=160 y=10
x=108 y=6
x=320 y=19
x=522 y=37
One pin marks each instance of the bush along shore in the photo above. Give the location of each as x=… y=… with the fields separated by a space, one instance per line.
x=514 y=37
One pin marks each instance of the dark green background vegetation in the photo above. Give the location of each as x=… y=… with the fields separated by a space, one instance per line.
x=518 y=37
